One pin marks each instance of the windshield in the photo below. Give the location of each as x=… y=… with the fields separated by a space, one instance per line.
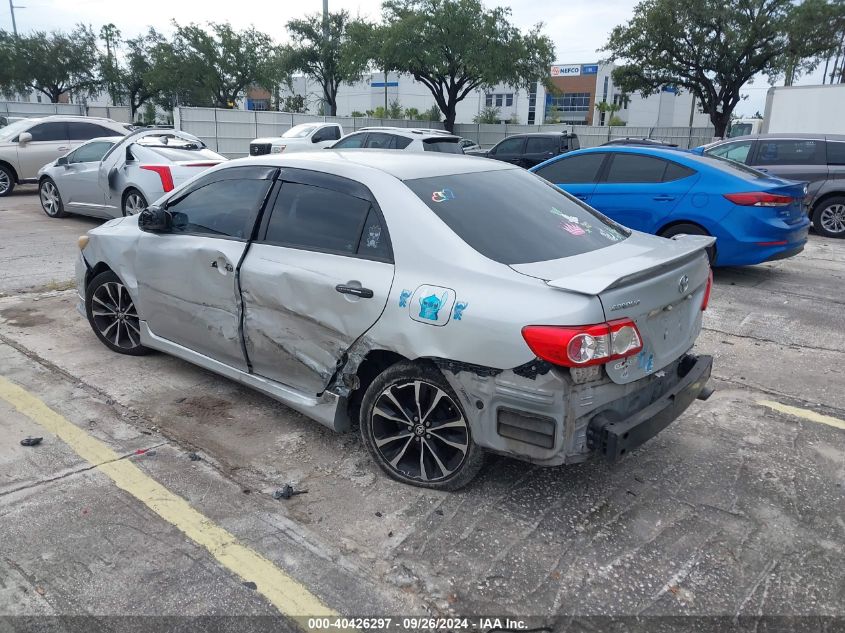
x=515 y=217
x=740 y=129
x=169 y=140
x=733 y=167
x=300 y=131
x=13 y=129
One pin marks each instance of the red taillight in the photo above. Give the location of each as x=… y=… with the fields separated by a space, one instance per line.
x=164 y=173
x=705 y=300
x=581 y=346
x=759 y=199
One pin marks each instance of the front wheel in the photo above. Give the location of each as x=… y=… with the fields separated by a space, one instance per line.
x=829 y=217
x=51 y=199
x=112 y=315
x=133 y=202
x=415 y=429
x=7 y=181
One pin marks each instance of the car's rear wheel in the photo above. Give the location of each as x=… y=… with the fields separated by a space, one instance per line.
x=51 y=199
x=829 y=217
x=415 y=429
x=113 y=316
x=133 y=202
x=7 y=181
x=690 y=229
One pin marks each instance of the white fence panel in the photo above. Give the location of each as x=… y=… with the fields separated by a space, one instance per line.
x=26 y=109
x=116 y=113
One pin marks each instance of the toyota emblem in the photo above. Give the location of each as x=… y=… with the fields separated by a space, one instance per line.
x=683 y=284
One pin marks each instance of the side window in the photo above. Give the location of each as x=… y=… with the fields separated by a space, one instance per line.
x=351 y=141
x=378 y=140
x=674 y=171
x=508 y=146
x=635 y=168
x=401 y=142
x=577 y=169
x=54 y=131
x=374 y=242
x=793 y=152
x=836 y=152
x=732 y=151
x=315 y=218
x=574 y=143
x=222 y=208
x=333 y=133
x=541 y=145
x=92 y=152
x=81 y=131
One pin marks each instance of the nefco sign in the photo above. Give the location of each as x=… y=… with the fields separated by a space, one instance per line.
x=572 y=70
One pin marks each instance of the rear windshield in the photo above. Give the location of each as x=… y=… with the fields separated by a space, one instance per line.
x=443 y=145
x=515 y=217
x=732 y=167
x=300 y=131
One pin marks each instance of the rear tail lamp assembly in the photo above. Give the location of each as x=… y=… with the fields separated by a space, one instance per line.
x=586 y=345
x=164 y=173
x=759 y=199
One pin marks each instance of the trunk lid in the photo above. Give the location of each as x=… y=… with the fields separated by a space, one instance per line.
x=658 y=283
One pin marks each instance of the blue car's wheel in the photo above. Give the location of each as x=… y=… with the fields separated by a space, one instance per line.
x=690 y=229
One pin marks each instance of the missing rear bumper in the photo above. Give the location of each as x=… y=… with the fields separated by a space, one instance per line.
x=613 y=434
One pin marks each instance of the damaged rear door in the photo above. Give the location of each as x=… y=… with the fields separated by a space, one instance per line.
x=315 y=280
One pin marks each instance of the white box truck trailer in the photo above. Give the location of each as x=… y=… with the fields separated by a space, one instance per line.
x=805 y=109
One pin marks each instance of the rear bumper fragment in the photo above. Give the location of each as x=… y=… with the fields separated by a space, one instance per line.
x=612 y=435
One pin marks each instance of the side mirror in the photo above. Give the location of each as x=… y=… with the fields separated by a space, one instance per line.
x=112 y=178
x=155 y=220
x=62 y=161
x=24 y=138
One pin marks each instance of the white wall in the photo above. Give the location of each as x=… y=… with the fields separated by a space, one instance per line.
x=664 y=109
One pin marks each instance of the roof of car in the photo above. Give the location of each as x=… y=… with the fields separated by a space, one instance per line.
x=542 y=134
x=401 y=165
x=785 y=136
x=74 y=117
x=408 y=132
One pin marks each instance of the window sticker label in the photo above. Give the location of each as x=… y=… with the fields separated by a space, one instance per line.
x=373 y=236
x=432 y=305
x=574 y=229
x=458 y=312
x=442 y=195
x=645 y=361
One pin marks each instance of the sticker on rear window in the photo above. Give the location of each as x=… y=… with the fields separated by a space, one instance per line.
x=442 y=195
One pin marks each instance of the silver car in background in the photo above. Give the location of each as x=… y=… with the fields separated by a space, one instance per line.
x=449 y=305
x=114 y=176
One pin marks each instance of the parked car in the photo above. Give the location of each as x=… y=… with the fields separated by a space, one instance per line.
x=114 y=176
x=527 y=150
x=818 y=159
x=642 y=142
x=468 y=145
x=755 y=217
x=29 y=144
x=6 y=120
x=506 y=317
x=300 y=138
x=408 y=139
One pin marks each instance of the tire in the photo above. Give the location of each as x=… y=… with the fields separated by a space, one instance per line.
x=133 y=202
x=114 y=321
x=829 y=217
x=51 y=199
x=401 y=403
x=7 y=181
x=690 y=229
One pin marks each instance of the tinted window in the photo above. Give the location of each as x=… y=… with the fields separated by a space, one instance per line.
x=794 y=152
x=225 y=208
x=674 y=171
x=542 y=145
x=305 y=216
x=353 y=140
x=374 y=242
x=733 y=151
x=92 y=152
x=635 y=168
x=572 y=142
x=583 y=168
x=444 y=146
x=836 y=152
x=401 y=142
x=378 y=140
x=85 y=131
x=331 y=133
x=49 y=132
x=509 y=146
x=514 y=217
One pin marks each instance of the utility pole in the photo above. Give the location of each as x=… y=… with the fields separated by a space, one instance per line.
x=12 y=8
x=326 y=40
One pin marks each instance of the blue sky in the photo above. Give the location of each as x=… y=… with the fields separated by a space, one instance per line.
x=577 y=27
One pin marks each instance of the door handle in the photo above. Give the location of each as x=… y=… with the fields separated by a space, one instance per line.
x=663 y=198
x=63 y=149
x=228 y=267
x=364 y=293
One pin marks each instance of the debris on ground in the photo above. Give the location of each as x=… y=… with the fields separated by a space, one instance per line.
x=31 y=441
x=194 y=457
x=250 y=585
x=287 y=491
x=146 y=451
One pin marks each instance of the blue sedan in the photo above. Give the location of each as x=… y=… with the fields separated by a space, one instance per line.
x=754 y=217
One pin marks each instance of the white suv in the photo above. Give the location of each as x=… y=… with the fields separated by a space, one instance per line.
x=300 y=138
x=404 y=138
x=29 y=144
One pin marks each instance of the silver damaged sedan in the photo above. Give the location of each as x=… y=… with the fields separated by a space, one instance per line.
x=448 y=305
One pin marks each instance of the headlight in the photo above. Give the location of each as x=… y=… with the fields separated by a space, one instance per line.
x=277 y=149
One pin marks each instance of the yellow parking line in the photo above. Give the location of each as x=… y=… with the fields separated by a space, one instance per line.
x=289 y=596
x=807 y=414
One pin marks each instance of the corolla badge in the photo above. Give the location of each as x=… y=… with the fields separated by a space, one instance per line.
x=430 y=306
x=683 y=284
x=625 y=304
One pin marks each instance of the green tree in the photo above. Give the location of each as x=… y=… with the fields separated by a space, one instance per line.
x=222 y=62
x=140 y=85
x=712 y=48
x=455 y=46
x=488 y=114
x=110 y=70
x=324 y=51
x=52 y=64
x=294 y=103
x=358 y=115
x=608 y=109
x=394 y=110
x=432 y=114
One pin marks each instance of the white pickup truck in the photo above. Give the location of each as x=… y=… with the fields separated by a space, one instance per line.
x=300 y=138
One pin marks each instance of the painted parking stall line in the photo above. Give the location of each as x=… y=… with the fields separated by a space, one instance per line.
x=285 y=593
x=806 y=414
